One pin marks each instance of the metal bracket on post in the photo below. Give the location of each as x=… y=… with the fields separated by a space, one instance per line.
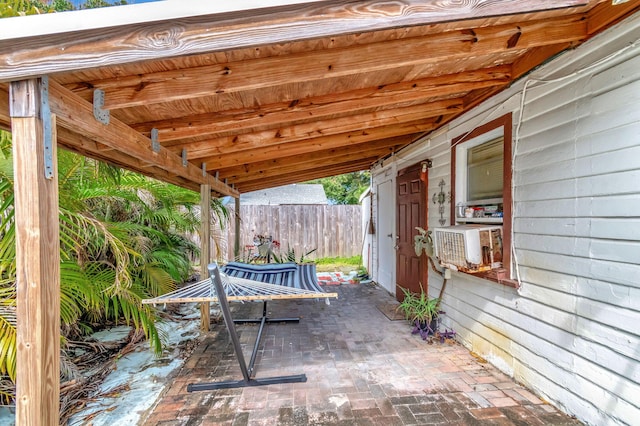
x=155 y=145
x=45 y=116
x=204 y=169
x=184 y=157
x=101 y=114
x=217 y=176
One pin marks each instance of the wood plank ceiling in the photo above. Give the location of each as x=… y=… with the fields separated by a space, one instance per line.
x=265 y=112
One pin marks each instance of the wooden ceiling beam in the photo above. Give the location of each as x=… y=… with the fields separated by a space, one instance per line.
x=223 y=159
x=306 y=175
x=297 y=168
x=292 y=170
x=166 y=86
x=311 y=157
x=23 y=56
x=82 y=145
x=308 y=131
x=76 y=114
x=331 y=105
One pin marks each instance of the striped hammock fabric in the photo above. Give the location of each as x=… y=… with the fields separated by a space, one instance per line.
x=283 y=281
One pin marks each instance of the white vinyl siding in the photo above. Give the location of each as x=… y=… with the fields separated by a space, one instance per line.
x=572 y=331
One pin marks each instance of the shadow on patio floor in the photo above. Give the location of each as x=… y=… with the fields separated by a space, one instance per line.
x=362 y=369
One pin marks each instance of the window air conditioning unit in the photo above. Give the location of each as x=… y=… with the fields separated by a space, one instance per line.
x=469 y=248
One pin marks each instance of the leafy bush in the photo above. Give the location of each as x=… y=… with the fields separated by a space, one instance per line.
x=122 y=239
x=421 y=311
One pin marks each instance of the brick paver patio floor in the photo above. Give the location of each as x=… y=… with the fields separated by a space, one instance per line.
x=362 y=369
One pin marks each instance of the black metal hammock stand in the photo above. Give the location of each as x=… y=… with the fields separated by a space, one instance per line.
x=222 y=288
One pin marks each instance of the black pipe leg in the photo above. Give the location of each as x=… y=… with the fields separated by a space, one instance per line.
x=247 y=373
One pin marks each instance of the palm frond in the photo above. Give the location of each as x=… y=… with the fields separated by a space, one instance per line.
x=157 y=280
x=8 y=341
x=77 y=293
x=119 y=303
x=7 y=391
x=122 y=239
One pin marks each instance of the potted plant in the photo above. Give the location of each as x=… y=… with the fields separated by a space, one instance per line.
x=264 y=244
x=423 y=242
x=421 y=311
x=306 y=267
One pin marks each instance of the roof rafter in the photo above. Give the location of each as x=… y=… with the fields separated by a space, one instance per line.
x=346 y=159
x=84 y=146
x=308 y=174
x=24 y=57
x=76 y=114
x=227 y=159
x=330 y=105
x=331 y=156
x=316 y=129
x=253 y=74
x=262 y=110
x=326 y=162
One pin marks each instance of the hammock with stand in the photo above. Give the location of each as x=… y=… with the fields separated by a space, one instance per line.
x=283 y=281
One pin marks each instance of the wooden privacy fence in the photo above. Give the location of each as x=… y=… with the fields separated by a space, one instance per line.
x=334 y=230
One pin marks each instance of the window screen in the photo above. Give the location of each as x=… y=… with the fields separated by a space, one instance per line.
x=484 y=170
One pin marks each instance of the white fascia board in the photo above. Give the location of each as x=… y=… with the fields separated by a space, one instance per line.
x=114 y=16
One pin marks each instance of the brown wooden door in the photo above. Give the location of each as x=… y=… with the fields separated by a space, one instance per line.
x=412 y=212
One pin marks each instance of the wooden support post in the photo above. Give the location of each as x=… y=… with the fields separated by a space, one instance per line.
x=37 y=255
x=236 y=241
x=205 y=249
